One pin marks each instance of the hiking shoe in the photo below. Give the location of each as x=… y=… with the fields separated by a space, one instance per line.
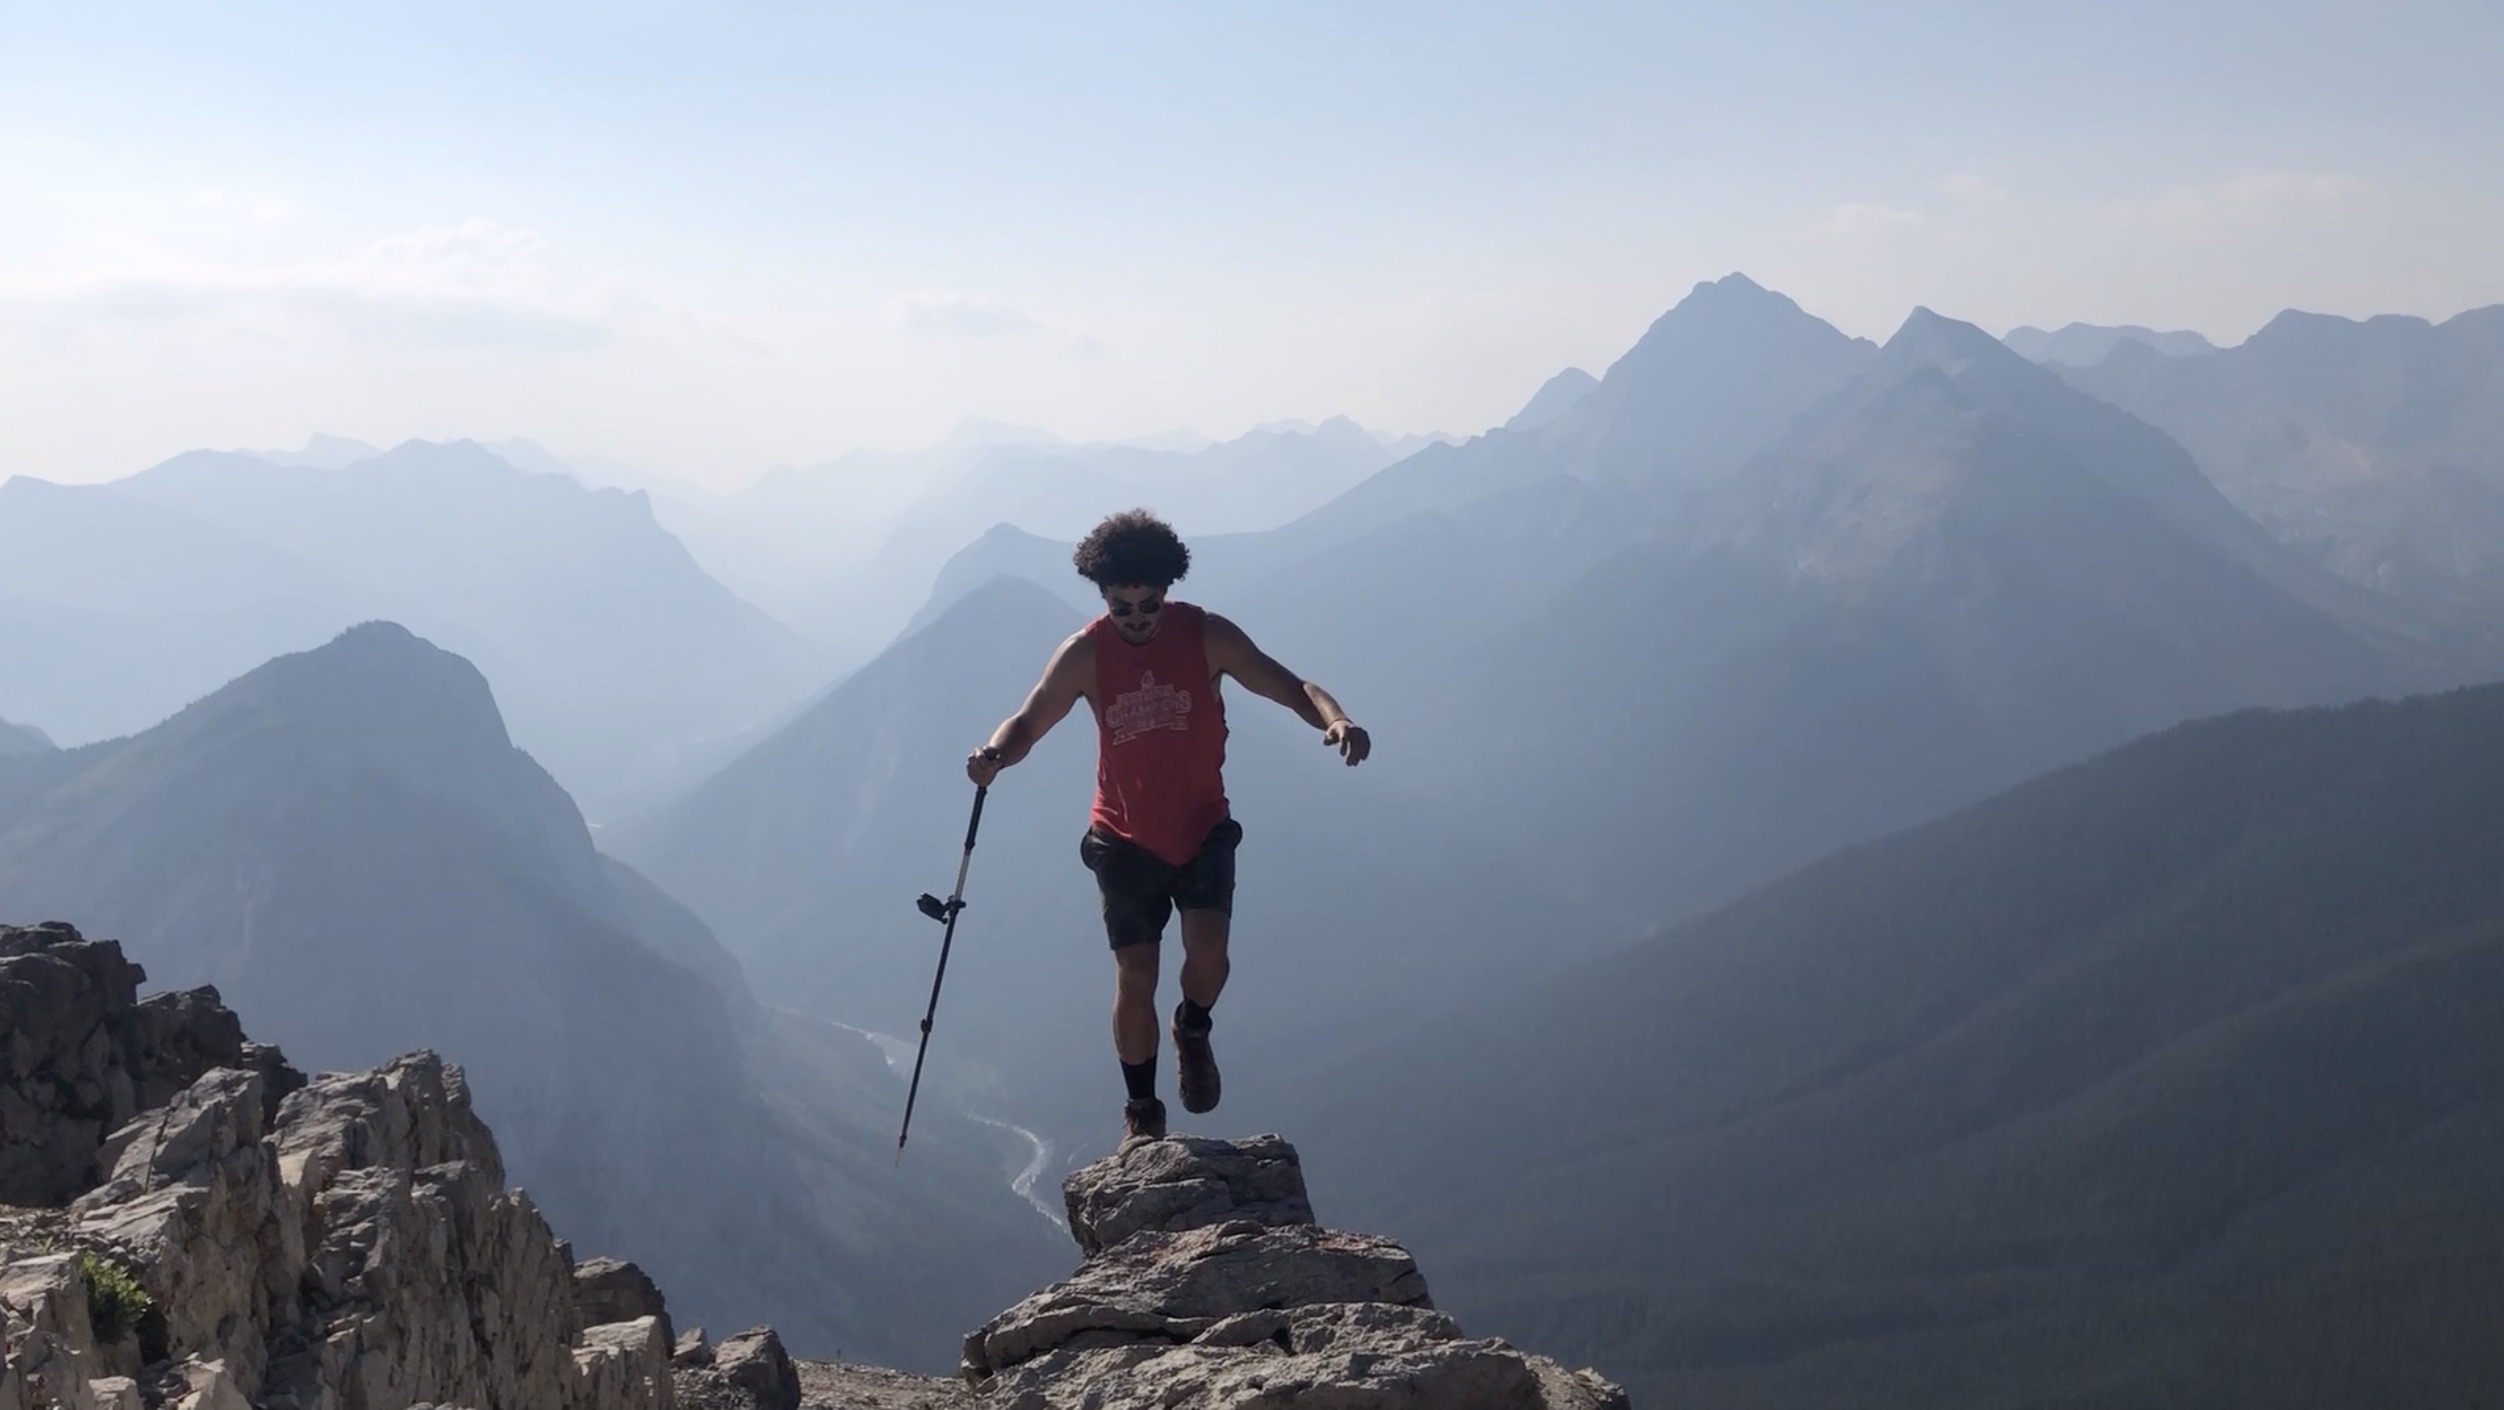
x=1142 y=1120
x=1195 y=1066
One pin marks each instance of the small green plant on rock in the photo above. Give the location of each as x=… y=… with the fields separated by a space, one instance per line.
x=115 y=1301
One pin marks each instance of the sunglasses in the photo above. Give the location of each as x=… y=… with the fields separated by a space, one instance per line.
x=1150 y=607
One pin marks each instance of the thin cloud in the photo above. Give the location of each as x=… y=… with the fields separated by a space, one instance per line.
x=956 y=314
x=476 y=283
x=2236 y=199
x=1856 y=221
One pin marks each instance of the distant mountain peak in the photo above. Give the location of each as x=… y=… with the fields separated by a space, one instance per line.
x=1719 y=319
x=2296 y=328
x=1931 y=339
x=1556 y=396
x=2087 y=344
x=322 y=451
x=378 y=683
x=23 y=739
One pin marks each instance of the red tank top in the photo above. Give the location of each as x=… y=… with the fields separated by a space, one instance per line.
x=1160 y=736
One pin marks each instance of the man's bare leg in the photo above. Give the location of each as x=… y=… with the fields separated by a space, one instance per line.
x=1134 y=1003
x=1204 y=962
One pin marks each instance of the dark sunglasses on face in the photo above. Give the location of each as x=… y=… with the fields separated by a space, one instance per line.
x=1150 y=607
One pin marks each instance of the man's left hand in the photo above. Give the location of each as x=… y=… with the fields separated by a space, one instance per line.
x=1351 y=740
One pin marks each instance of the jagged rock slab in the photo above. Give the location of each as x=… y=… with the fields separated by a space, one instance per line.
x=340 y=1244
x=613 y=1290
x=1173 y=1287
x=1186 y=1182
x=1350 y=1356
x=81 y=1054
x=1208 y=1284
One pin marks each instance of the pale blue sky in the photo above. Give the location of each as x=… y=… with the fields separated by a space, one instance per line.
x=713 y=238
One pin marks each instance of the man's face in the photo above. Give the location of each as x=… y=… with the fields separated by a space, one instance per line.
x=1135 y=611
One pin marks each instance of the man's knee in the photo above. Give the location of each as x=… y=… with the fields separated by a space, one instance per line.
x=1206 y=931
x=1134 y=970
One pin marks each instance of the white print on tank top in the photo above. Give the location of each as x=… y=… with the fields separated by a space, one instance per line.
x=1152 y=706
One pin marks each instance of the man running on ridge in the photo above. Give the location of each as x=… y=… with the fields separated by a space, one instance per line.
x=1161 y=837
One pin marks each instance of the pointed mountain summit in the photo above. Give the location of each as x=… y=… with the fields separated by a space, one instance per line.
x=1711 y=382
x=1952 y=573
x=1556 y=396
x=346 y=841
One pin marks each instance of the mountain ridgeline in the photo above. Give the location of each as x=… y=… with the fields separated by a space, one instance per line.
x=2373 y=448
x=2168 y=1078
x=1757 y=961
x=346 y=840
x=611 y=648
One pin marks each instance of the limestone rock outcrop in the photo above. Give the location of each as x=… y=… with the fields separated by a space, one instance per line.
x=1208 y=1283
x=81 y=1054
x=257 y=1239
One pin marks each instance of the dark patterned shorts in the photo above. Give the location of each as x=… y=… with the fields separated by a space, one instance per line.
x=1142 y=890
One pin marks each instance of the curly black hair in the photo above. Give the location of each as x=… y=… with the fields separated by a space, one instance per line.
x=1132 y=548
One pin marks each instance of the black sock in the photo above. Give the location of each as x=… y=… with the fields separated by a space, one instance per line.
x=1140 y=1078
x=1191 y=1016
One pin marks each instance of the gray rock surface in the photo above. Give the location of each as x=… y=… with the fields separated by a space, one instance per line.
x=1208 y=1283
x=613 y=1290
x=342 y=1244
x=81 y=1054
x=755 y=1362
x=1186 y=1182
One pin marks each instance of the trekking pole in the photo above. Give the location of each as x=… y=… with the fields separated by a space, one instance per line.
x=945 y=912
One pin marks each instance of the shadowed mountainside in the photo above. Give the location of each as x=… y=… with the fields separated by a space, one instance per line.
x=2166 y=1078
x=345 y=842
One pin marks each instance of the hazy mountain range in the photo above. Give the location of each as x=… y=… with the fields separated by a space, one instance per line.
x=2086 y=344
x=844 y=552
x=612 y=651
x=344 y=840
x=1858 y=587
x=2375 y=448
x=2157 y=1079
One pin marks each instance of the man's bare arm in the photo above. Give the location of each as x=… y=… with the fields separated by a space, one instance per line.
x=1232 y=652
x=1064 y=684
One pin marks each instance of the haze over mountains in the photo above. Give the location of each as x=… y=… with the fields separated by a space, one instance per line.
x=844 y=552
x=613 y=649
x=345 y=840
x=2375 y=448
x=2170 y=1078
x=2086 y=344
x=23 y=739
x=1634 y=664
x=2076 y=1090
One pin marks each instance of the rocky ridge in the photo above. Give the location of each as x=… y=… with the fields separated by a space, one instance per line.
x=188 y=1222
x=1207 y=1282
